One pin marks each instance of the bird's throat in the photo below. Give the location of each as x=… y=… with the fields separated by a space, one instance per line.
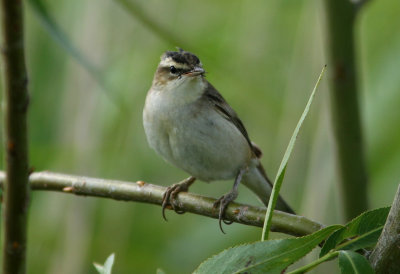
x=186 y=92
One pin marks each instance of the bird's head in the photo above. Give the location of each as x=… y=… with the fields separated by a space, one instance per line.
x=177 y=67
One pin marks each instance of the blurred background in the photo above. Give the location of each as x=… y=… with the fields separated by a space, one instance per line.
x=263 y=56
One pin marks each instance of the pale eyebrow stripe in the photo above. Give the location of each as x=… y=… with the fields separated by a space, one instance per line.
x=169 y=62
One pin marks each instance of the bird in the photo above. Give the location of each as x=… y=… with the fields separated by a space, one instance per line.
x=188 y=122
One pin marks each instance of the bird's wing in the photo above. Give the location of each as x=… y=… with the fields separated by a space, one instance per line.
x=223 y=108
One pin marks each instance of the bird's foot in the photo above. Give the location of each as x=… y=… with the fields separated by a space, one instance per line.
x=171 y=193
x=223 y=203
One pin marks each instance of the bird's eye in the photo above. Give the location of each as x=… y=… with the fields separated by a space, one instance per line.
x=173 y=70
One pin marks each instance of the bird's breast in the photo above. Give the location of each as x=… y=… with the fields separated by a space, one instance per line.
x=193 y=136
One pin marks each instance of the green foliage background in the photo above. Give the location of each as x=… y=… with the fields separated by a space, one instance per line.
x=263 y=56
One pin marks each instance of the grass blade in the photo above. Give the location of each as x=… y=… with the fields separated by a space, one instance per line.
x=282 y=168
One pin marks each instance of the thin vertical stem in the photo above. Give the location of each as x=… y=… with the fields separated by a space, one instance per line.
x=341 y=16
x=16 y=190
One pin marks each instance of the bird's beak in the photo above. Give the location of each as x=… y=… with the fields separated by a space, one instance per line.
x=195 y=72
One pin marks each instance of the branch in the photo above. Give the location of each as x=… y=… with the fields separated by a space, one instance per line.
x=344 y=106
x=153 y=194
x=385 y=258
x=16 y=188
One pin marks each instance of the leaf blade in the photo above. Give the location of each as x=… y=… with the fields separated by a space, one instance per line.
x=351 y=262
x=282 y=168
x=264 y=256
x=107 y=267
x=364 y=231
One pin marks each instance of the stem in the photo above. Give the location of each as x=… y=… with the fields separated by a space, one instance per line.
x=136 y=12
x=16 y=188
x=385 y=258
x=153 y=194
x=308 y=267
x=344 y=106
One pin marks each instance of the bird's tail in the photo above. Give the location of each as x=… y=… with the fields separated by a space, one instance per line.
x=257 y=181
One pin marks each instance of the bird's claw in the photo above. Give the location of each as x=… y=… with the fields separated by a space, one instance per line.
x=171 y=193
x=169 y=198
x=223 y=203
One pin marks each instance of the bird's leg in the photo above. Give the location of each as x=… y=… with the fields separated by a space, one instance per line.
x=171 y=192
x=224 y=201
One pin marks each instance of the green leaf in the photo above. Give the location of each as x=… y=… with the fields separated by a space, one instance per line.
x=107 y=267
x=315 y=263
x=351 y=262
x=282 y=168
x=264 y=256
x=363 y=231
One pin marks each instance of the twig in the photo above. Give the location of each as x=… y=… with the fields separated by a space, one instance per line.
x=56 y=32
x=135 y=11
x=385 y=258
x=16 y=188
x=153 y=194
x=344 y=106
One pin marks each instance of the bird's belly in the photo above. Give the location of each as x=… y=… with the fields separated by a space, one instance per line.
x=205 y=145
